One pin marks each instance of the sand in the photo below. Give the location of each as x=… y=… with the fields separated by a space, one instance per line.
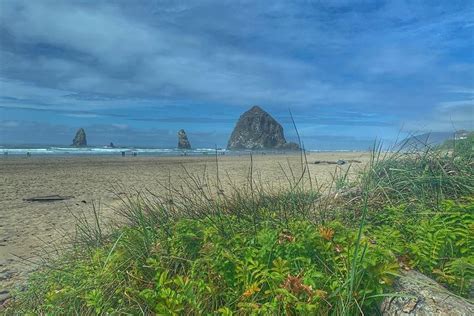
x=31 y=230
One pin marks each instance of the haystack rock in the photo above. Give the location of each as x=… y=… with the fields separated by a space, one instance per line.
x=256 y=129
x=183 y=142
x=80 y=139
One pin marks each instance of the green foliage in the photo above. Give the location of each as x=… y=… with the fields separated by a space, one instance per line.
x=427 y=176
x=462 y=147
x=196 y=269
x=302 y=268
x=438 y=242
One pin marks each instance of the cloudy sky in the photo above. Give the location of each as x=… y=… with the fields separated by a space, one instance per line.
x=134 y=72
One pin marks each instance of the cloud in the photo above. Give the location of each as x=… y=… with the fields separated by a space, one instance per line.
x=17 y=132
x=117 y=63
x=120 y=126
x=8 y=124
x=446 y=117
x=399 y=61
x=101 y=50
x=82 y=115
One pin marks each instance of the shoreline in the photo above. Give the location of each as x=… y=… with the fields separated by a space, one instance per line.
x=147 y=152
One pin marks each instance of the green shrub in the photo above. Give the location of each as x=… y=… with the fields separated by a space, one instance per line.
x=197 y=269
x=438 y=242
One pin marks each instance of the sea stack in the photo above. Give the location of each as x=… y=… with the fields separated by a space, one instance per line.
x=183 y=142
x=80 y=139
x=257 y=130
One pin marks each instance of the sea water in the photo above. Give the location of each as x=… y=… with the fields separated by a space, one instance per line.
x=135 y=151
x=110 y=151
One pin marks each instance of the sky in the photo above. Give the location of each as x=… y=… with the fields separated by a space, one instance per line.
x=135 y=72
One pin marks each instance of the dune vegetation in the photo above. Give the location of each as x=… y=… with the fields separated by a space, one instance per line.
x=203 y=249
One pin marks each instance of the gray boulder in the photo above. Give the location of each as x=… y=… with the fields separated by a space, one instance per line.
x=183 y=142
x=256 y=129
x=80 y=139
x=421 y=296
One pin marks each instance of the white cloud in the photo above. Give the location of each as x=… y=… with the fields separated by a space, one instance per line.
x=8 y=124
x=395 y=58
x=80 y=115
x=120 y=126
x=126 y=57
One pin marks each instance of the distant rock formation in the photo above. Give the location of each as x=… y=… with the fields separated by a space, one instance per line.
x=422 y=141
x=183 y=142
x=256 y=129
x=111 y=145
x=80 y=139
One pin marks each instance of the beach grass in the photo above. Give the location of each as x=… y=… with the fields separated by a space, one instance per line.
x=205 y=248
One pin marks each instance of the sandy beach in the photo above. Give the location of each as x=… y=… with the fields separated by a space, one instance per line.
x=28 y=230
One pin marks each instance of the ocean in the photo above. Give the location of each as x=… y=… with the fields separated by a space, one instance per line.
x=9 y=150
x=109 y=151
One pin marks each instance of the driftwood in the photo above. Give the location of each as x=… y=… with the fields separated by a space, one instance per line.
x=326 y=162
x=48 y=198
x=338 y=162
x=416 y=294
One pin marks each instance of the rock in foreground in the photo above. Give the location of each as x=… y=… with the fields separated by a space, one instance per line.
x=183 y=142
x=80 y=139
x=256 y=129
x=420 y=295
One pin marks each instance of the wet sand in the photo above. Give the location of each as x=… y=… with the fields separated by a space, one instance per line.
x=28 y=230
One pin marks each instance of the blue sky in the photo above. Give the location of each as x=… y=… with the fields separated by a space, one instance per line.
x=135 y=72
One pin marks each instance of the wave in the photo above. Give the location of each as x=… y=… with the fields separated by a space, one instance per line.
x=105 y=151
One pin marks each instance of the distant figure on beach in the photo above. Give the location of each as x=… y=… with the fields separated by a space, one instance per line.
x=135 y=154
x=123 y=154
x=28 y=154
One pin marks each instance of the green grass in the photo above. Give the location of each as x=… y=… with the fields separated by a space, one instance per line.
x=460 y=147
x=200 y=249
x=427 y=176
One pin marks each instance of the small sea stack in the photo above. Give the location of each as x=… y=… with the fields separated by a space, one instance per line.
x=80 y=139
x=258 y=130
x=183 y=142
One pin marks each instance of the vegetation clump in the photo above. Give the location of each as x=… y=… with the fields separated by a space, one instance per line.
x=250 y=251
